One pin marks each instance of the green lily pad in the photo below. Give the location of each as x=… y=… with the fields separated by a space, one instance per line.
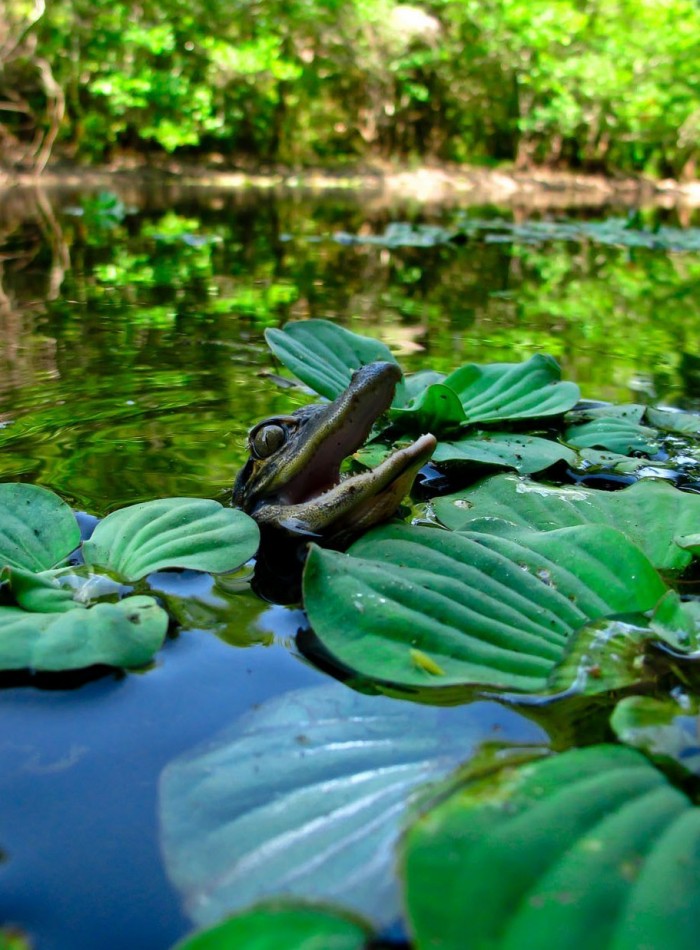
x=194 y=533
x=39 y=530
x=619 y=435
x=672 y=420
x=652 y=513
x=282 y=925
x=592 y=848
x=421 y=607
x=525 y=453
x=324 y=355
x=495 y=392
x=125 y=634
x=666 y=730
x=240 y=818
x=631 y=412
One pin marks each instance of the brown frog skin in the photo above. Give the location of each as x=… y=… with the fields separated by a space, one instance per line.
x=292 y=479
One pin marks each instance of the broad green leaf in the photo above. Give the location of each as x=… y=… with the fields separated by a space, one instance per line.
x=672 y=420
x=282 y=925
x=666 y=730
x=125 y=634
x=324 y=355
x=240 y=818
x=38 y=530
x=421 y=607
x=40 y=593
x=524 y=453
x=417 y=383
x=498 y=391
x=437 y=409
x=619 y=435
x=651 y=512
x=589 y=849
x=194 y=533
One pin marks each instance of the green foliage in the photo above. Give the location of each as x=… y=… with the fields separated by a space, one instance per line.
x=50 y=625
x=301 y=81
x=592 y=847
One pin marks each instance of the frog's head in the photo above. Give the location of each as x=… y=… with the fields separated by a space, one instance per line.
x=292 y=479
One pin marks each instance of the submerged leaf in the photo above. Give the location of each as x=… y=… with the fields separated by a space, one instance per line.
x=125 y=634
x=651 y=512
x=39 y=530
x=324 y=355
x=592 y=848
x=491 y=611
x=194 y=533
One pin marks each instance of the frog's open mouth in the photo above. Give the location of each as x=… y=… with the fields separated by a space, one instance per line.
x=299 y=486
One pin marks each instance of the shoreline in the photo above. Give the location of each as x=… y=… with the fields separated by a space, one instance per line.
x=425 y=185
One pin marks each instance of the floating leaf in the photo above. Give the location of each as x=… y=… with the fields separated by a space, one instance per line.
x=437 y=409
x=125 y=634
x=615 y=652
x=614 y=434
x=40 y=593
x=525 y=453
x=324 y=355
x=194 y=533
x=498 y=391
x=490 y=611
x=280 y=925
x=672 y=420
x=39 y=530
x=651 y=512
x=628 y=412
x=240 y=819
x=667 y=730
x=592 y=848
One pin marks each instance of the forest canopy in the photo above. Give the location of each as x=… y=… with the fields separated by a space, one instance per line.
x=610 y=85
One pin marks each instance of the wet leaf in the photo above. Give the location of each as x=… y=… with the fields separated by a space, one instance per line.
x=619 y=435
x=304 y=797
x=672 y=420
x=490 y=611
x=592 y=848
x=194 y=533
x=667 y=730
x=651 y=513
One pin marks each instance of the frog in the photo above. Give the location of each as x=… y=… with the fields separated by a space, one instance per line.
x=292 y=481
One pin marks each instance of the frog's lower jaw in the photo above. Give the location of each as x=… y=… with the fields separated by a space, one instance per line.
x=354 y=504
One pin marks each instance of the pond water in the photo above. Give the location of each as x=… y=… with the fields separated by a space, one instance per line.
x=132 y=363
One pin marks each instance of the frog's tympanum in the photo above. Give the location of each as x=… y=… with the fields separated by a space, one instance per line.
x=292 y=479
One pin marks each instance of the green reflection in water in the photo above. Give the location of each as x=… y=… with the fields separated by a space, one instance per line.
x=132 y=345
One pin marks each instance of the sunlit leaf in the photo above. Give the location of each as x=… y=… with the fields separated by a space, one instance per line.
x=39 y=530
x=194 y=533
x=324 y=355
x=497 y=391
x=592 y=848
x=651 y=512
x=124 y=634
x=487 y=610
x=279 y=925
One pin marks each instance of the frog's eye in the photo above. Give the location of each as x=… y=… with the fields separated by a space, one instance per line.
x=267 y=439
